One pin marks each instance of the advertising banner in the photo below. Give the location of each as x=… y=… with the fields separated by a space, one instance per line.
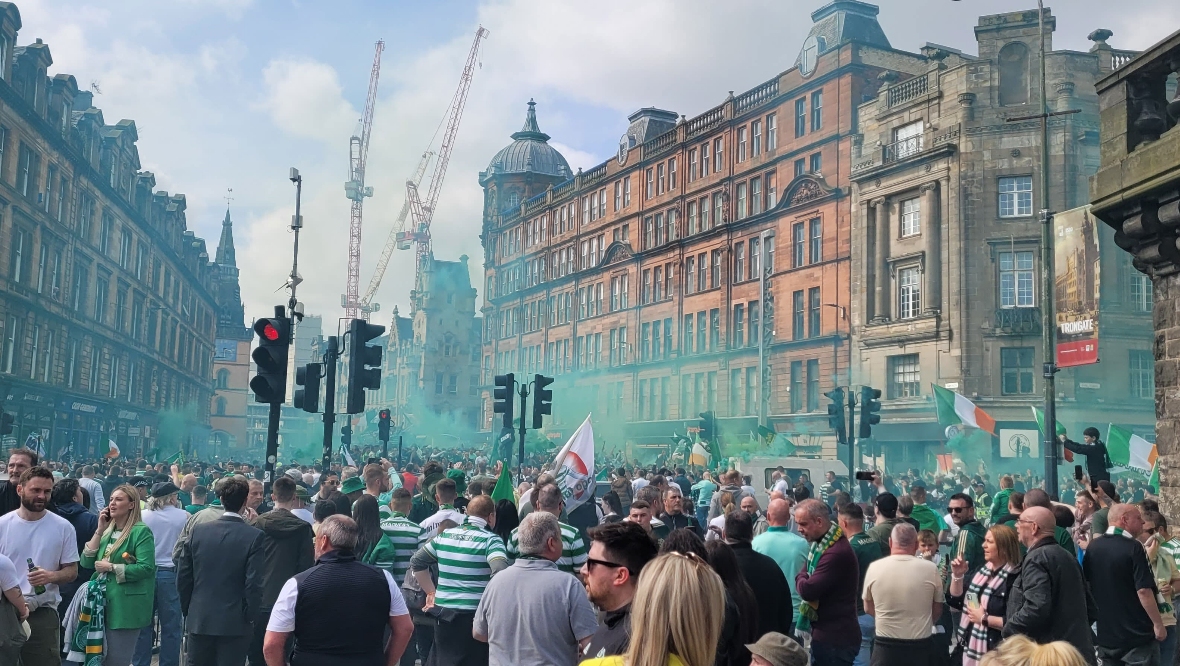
x=1076 y=283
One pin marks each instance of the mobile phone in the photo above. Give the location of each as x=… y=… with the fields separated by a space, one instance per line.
x=864 y=476
x=972 y=600
x=1077 y=472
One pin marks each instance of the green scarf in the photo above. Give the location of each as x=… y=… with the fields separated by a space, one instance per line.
x=809 y=610
x=86 y=645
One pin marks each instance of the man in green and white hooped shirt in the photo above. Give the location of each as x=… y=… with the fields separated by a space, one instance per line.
x=573 y=549
x=407 y=536
x=467 y=557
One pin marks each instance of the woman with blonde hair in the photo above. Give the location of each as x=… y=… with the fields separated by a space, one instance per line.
x=682 y=601
x=118 y=599
x=1020 y=650
x=984 y=599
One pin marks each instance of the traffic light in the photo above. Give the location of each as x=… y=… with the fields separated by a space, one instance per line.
x=542 y=399
x=870 y=404
x=383 y=425
x=307 y=396
x=836 y=419
x=364 y=363
x=502 y=397
x=270 y=356
x=708 y=426
x=346 y=436
x=5 y=423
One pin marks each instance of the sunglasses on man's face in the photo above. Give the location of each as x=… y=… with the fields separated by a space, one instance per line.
x=591 y=562
x=957 y=509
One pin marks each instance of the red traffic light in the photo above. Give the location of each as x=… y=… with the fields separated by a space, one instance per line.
x=270 y=332
x=383 y=414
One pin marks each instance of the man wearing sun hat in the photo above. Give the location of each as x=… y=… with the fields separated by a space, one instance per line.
x=352 y=488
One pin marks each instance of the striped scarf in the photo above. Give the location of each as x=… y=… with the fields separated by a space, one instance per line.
x=809 y=610
x=986 y=582
x=86 y=645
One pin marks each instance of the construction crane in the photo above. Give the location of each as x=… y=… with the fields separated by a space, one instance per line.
x=355 y=189
x=422 y=209
x=366 y=303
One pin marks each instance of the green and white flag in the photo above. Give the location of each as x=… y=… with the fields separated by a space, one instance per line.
x=1039 y=416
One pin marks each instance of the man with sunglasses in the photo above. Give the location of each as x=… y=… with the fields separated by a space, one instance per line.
x=968 y=543
x=618 y=552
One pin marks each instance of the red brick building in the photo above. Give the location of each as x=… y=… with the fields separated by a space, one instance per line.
x=636 y=283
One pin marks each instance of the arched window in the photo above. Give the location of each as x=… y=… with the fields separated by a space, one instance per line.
x=220 y=407
x=222 y=378
x=1014 y=74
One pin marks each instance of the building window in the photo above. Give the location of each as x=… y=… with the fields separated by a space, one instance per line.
x=1142 y=374
x=690 y=275
x=102 y=286
x=223 y=378
x=692 y=164
x=714 y=328
x=816 y=165
x=741 y=201
x=817 y=110
x=1016 y=196
x=816 y=246
x=800 y=167
x=909 y=295
x=104 y=234
x=739 y=325
x=756 y=138
x=1016 y=370
x=1014 y=77
x=812 y=385
x=672 y=174
x=755 y=196
x=755 y=323
x=650 y=188
x=813 y=307
x=735 y=391
x=796 y=386
x=907 y=140
x=1016 y=280
x=716 y=269
x=18 y=259
x=704 y=159
x=905 y=377
x=771 y=131
x=755 y=258
x=739 y=261
x=660 y=179
x=692 y=217
x=800 y=117
x=626 y=191
x=718 y=154
x=702 y=334
x=1141 y=290
x=704 y=225
x=220 y=411
x=686 y=336
x=798 y=244
x=770 y=255
x=771 y=190
x=742 y=139
x=798 y=316
x=911 y=218
x=718 y=209
x=26 y=171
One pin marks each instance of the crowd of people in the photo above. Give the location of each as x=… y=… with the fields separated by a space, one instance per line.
x=452 y=560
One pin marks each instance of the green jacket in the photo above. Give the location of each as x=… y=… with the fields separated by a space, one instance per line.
x=1000 y=505
x=928 y=519
x=969 y=543
x=381 y=554
x=131 y=590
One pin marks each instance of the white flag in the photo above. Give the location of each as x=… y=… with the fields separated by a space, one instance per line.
x=574 y=466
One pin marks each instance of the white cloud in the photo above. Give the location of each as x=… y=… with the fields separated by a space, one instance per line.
x=304 y=99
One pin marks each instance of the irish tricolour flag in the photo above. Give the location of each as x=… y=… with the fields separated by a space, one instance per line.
x=1127 y=449
x=954 y=408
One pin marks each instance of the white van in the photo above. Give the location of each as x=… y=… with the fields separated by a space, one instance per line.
x=816 y=469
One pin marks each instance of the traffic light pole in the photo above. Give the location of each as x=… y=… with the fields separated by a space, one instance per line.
x=272 y=425
x=330 y=358
x=524 y=394
x=853 y=441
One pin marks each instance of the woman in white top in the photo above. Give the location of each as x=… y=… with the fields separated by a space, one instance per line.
x=717 y=525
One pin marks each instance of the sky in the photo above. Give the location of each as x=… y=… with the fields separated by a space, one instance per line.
x=229 y=94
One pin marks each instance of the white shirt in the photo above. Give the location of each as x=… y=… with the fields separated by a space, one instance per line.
x=305 y=515
x=166 y=523
x=779 y=486
x=638 y=483
x=430 y=525
x=282 y=616
x=97 y=501
x=719 y=523
x=50 y=542
x=8 y=576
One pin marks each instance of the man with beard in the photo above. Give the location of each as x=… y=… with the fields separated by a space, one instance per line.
x=618 y=552
x=968 y=544
x=18 y=461
x=32 y=534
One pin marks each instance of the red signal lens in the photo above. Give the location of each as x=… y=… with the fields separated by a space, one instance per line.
x=270 y=332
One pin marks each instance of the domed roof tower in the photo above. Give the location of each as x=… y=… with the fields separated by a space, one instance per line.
x=523 y=168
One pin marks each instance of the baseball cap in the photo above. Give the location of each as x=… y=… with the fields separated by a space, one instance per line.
x=164 y=489
x=779 y=650
x=138 y=482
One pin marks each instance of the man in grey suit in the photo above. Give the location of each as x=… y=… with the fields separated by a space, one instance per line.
x=219 y=576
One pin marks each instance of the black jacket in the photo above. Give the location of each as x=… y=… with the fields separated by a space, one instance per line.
x=288 y=549
x=9 y=500
x=613 y=635
x=219 y=577
x=770 y=586
x=682 y=521
x=1049 y=597
x=1097 y=459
